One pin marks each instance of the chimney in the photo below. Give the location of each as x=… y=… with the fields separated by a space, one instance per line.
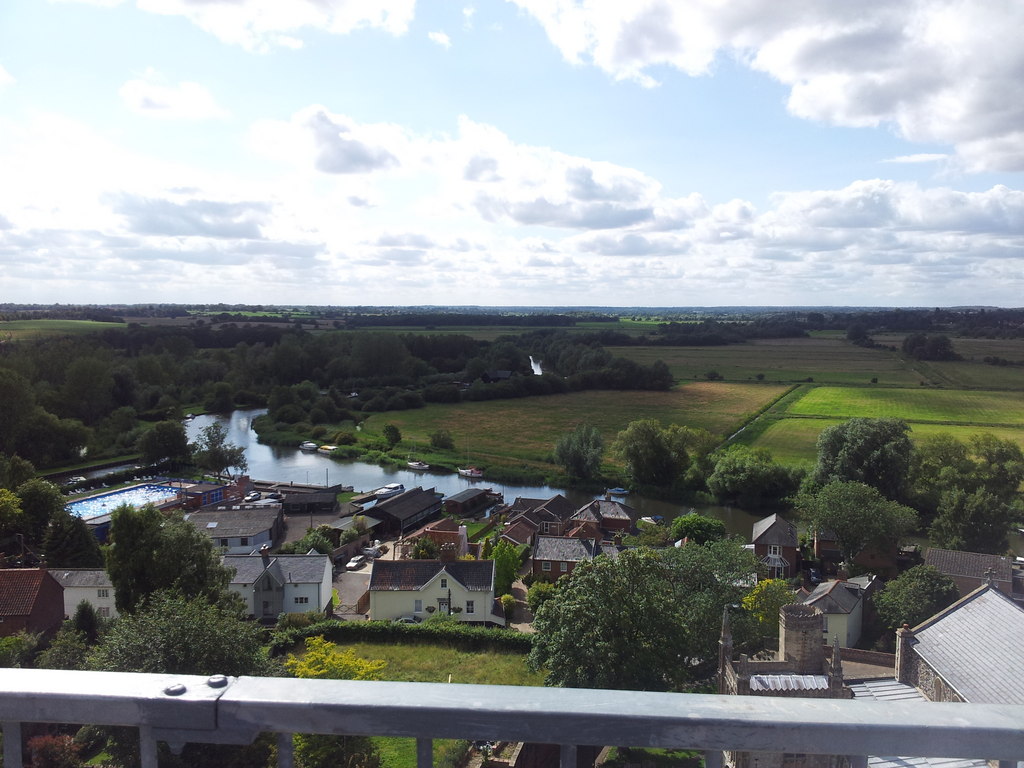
x=265 y=554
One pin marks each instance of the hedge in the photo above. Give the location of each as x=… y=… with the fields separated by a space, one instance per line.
x=462 y=636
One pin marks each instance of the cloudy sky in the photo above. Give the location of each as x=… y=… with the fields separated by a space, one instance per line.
x=496 y=152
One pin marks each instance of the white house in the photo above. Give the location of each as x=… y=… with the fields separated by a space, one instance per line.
x=239 y=529
x=464 y=588
x=274 y=584
x=842 y=602
x=89 y=584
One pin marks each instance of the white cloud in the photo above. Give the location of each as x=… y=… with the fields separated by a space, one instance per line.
x=150 y=96
x=440 y=38
x=259 y=25
x=918 y=158
x=467 y=17
x=939 y=71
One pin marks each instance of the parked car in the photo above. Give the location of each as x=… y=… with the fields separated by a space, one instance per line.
x=253 y=496
x=372 y=552
x=356 y=563
x=275 y=496
x=814 y=576
x=408 y=620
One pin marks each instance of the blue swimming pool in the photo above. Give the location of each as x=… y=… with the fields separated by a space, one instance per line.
x=136 y=496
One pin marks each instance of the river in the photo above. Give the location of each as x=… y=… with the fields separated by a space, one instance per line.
x=280 y=464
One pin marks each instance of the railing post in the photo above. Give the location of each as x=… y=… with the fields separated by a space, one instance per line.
x=567 y=758
x=147 y=746
x=285 y=750
x=713 y=759
x=858 y=761
x=424 y=753
x=12 y=744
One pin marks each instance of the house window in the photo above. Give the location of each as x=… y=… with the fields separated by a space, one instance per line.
x=469 y=607
x=245 y=541
x=102 y=593
x=774 y=549
x=301 y=600
x=545 y=527
x=563 y=567
x=444 y=583
x=546 y=565
x=417 y=606
x=223 y=542
x=103 y=613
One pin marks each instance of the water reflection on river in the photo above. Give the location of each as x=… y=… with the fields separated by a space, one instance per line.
x=280 y=464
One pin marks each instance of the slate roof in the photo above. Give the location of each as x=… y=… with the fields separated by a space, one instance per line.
x=774 y=530
x=81 y=577
x=287 y=569
x=235 y=520
x=562 y=549
x=971 y=564
x=520 y=532
x=467 y=495
x=834 y=597
x=892 y=690
x=407 y=504
x=605 y=509
x=975 y=645
x=412 y=575
x=559 y=506
x=19 y=589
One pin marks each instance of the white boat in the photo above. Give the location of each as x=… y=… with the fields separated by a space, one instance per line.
x=389 y=490
x=327 y=448
x=471 y=472
x=309 y=445
x=420 y=465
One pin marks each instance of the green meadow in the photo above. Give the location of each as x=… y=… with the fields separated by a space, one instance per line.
x=19 y=330
x=928 y=405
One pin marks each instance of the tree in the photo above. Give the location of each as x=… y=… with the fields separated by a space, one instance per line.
x=14 y=471
x=392 y=435
x=648 y=456
x=973 y=522
x=763 y=603
x=324 y=660
x=12 y=519
x=166 y=441
x=538 y=594
x=579 y=452
x=858 y=515
x=41 y=502
x=942 y=464
x=506 y=565
x=70 y=544
x=442 y=440
x=150 y=553
x=315 y=538
x=914 y=596
x=750 y=478
x=425 y=549
x=648 y=620
x=68 y=650
x=214 y=454
x=698 y=528
x=875 y=452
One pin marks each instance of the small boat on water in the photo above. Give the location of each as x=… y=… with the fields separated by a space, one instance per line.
x=309 y=445
x=471 y=472
x=617 y=492
x=389 y=490
x=420 y=465
x=327 y=448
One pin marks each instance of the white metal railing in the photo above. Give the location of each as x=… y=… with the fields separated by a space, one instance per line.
x=178 y=709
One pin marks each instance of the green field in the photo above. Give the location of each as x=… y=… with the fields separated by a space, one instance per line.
x=828 y=360
x=527 y=429
x=18 y=330
x=928 y=405
x=792 y=441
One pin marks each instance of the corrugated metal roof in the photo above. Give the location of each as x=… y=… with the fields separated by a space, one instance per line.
x=788 y=682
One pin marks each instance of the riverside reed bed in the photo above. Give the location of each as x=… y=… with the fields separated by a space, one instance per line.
x=526 y=429
x=824 y=359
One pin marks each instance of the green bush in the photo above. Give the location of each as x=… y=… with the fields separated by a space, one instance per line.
x=462 y=636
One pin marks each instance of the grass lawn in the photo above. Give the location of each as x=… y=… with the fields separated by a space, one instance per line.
x=931 y=405
x=526 y=429
x=830 y=360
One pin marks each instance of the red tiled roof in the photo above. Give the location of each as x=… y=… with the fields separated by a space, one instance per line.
x=19 y=588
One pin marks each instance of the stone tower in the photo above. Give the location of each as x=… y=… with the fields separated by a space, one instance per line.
x=800 y=640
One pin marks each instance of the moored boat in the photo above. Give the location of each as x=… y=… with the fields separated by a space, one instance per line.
x=420 y=465
x=327 y=448
x=471 y=472
x=389 y=490
x=309 y=445
x=617 y=492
